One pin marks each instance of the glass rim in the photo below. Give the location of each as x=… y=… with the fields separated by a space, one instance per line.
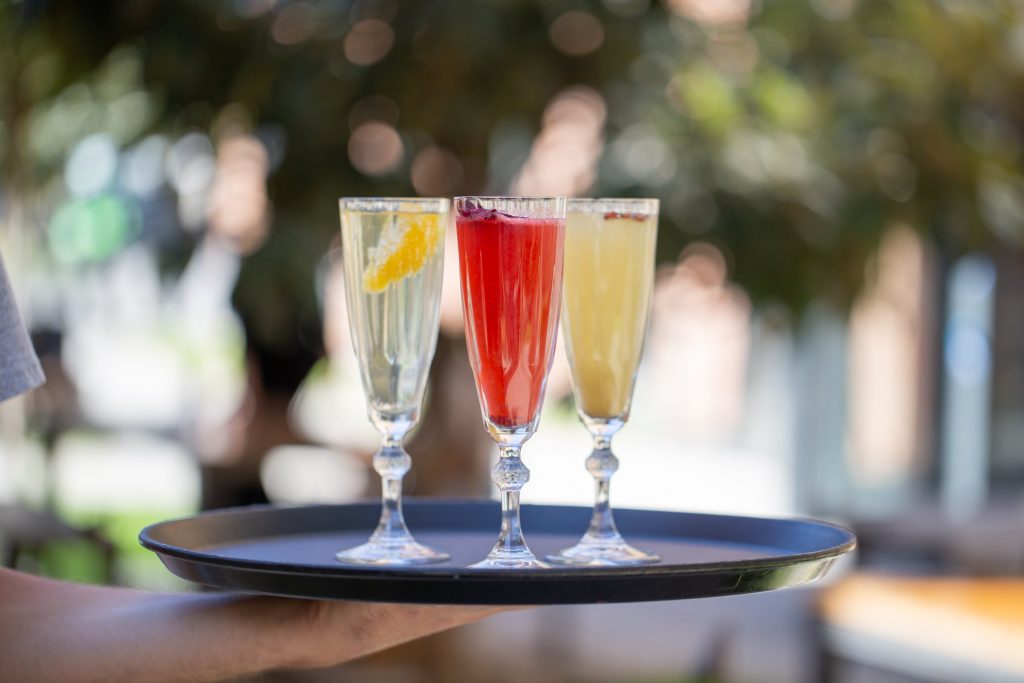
x=647 y=204
x=436 y=204
x=510 y=197
x=526 y=207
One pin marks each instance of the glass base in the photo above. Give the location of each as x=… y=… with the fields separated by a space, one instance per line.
x=510 y=559
x=392 y=554
x=613 y=552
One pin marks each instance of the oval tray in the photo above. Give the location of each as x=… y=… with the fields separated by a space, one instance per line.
x=290 y=552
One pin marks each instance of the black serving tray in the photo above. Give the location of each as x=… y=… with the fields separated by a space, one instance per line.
x=290 y=552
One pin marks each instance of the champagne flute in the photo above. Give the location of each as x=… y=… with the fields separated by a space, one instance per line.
x=510 y=268
x=393 y=258
x=609 y=275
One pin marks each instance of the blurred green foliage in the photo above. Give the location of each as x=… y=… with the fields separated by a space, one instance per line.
x=133 y=565
x=69 y=560
x=791 y=136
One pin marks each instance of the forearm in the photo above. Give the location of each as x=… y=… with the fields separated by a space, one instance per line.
x=53 y=631
x=58 y=631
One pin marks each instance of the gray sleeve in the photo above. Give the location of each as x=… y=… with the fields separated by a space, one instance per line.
x=19 y=367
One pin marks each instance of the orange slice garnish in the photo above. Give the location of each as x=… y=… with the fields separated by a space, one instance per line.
x=403 y=249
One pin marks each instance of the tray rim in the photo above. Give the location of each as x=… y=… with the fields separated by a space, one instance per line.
x=448 y=573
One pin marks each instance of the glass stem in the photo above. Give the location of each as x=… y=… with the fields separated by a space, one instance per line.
x=391 y=462
x=602 y=464
x=510 y=475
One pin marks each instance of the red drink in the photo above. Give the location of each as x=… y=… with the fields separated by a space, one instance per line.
x=511 y=273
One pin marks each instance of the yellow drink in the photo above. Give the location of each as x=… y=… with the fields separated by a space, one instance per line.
x=609 y=275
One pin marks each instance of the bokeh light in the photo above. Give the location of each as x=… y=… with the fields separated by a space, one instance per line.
x=91 y=166
x=368 y=42
x=564 y=155
x=295 y=24
x=436 y=172
x=93 y=229
x=375 y=148
x=238 y=208
x=142 y=166
x=713 y=13
x=190 y=171
x=576 y=33
x=834 y=10
x=253 y=8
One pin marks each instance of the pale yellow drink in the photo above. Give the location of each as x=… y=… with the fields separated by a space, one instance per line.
x=609 y=275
